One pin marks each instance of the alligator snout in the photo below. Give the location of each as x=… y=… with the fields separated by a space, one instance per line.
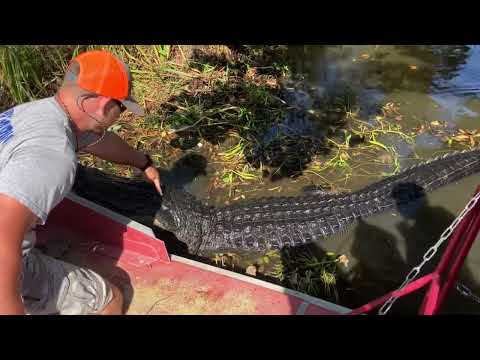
x=165 y=219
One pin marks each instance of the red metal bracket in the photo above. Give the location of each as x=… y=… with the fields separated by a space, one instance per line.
x=443 y=278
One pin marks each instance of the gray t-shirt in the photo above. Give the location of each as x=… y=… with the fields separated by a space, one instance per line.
x=38 y=159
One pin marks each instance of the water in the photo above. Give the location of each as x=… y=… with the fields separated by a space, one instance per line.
x=427 y=83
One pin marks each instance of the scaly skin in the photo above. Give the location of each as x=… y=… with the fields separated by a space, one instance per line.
x=272 y=223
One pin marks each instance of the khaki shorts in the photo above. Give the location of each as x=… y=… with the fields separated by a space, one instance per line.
x=51 y=286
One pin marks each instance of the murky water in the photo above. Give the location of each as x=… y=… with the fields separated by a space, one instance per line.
x=429 y=82
x=426 y=83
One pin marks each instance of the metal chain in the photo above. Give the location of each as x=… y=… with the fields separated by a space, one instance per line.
x=430 y=253
x=465 y=291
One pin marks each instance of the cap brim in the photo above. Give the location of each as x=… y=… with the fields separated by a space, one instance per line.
x=133 y=106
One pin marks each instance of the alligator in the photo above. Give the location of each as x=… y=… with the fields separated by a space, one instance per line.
x=276 y=222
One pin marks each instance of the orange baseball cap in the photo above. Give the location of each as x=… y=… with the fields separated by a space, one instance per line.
x=104 y=74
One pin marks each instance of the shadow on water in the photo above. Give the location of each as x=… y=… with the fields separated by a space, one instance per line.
x=184 y=170
x=383 y=253
x=379 y=253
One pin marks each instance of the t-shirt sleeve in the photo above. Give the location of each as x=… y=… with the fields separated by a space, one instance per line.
x=39 y=179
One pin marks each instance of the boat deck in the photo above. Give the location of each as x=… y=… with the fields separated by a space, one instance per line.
x=155 y=282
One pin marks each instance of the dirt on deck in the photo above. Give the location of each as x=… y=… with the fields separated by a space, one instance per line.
x=183 y=298
x=157 y=297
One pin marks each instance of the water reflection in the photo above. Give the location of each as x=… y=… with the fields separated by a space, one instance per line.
x=387 y=67
x=429 y=82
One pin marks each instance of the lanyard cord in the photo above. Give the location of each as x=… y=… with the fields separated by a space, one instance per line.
x=80 y=106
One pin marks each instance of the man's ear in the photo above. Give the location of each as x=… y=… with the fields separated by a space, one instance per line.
x=103 y=105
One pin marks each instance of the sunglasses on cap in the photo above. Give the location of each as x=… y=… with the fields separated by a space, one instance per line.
x=120 y=105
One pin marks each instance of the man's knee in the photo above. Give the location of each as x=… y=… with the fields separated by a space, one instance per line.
x=115 y=306
x=88 y=293
x=66 y=289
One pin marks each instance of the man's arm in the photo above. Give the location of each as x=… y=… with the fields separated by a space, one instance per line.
x=114 y=148
x=15 y=220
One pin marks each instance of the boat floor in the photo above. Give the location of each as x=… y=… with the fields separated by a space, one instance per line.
x=181 y=286
x=164 y=288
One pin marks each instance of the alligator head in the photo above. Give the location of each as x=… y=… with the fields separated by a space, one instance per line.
x=165 y=219
x=182 y=215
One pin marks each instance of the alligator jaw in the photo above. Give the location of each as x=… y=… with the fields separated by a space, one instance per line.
x=165 y=219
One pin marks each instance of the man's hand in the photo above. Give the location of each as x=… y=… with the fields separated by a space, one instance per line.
x=152 y=175
x=113 y=148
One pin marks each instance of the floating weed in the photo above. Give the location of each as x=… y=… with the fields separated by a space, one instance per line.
x=329 y=281
x=233 y=177
x=371 y=157
x=268 y=257
x=458 y=138
x=465 y=138
x=245 y=175
x=278 y=272
x=225 y=259
x=305 y=272
x=235 y=152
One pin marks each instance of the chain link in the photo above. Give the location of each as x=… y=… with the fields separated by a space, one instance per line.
x=465 y=291
x=430 y=254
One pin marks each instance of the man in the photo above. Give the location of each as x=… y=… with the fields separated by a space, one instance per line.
x=39 y=142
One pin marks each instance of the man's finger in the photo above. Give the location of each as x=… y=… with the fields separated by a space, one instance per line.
x=157 y=185
x=152 y=175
